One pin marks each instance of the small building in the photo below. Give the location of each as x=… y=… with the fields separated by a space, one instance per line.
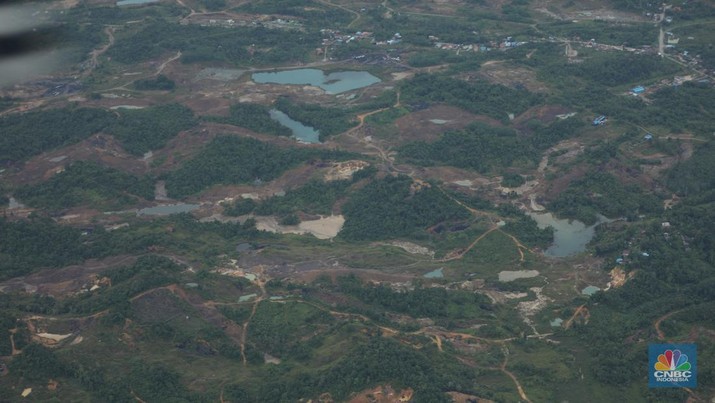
x=638 y=90
x=599 y=120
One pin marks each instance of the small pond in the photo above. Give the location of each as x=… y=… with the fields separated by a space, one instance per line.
x=511 y=275
x=134 y=2
x=570 y=236
x=332 y=83
x=301 y=132
x=245 y=298
x=435 y=273
x=168 y=209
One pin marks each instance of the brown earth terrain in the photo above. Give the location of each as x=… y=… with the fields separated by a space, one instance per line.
x=429 y=124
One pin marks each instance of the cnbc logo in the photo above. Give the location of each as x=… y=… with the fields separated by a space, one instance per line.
x=672 y=365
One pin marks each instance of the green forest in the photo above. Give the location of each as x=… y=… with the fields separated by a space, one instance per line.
x=479 y=97
x=479 y=147
x=141 y=130
x=315 y=197
x=255 y=117
x=431 y=275
x=327 y=120
x=86 y=183
x=391 y=207
x=232 y=160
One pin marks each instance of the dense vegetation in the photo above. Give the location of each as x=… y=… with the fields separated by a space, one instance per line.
x=232 y=160
x=378 y=358
x=480 y=147
x=90 y=184
x=677 y=267
x=605 y=32
x=327 y=120
x=603 y=193
x=478 y=97
x=315 y=197
x=142 y=130
x=239 y=207
x=613 y=68
x=306 y=10
x=39 y=242
x=6 y=103
x=217 y=44
x=526 y=229
x=169 y=332
x=24 y=135
x=160 y=83
x=255 y=117
x=396 y=207
x=278 y=328
x=147 y=272
x=695 y=174
x=436 y=303
x=36 y=243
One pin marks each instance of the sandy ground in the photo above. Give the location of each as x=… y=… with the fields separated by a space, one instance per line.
x=382 y=394
x=323 y=228
x=53 y=338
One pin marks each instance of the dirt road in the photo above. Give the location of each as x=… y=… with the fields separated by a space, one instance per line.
x=94 y=55
x=519 y=389
x=656 y=324
x=163 y=65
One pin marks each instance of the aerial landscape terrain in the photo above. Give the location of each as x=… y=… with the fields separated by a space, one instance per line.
x=358 y=201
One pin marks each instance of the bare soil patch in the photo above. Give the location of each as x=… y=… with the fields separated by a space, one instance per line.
x=457 y=176
x=100 y=148
x=310 y=275
x=67 y=280
x=560 y=184
x=322 y=228
x=204 y=105
x=545 y=114
x=511 y=76
x=292 y=178
x=430 y=123
x=382 y=394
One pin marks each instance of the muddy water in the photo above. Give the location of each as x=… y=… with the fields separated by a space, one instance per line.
x=333 y=83
x=168 y=209
x=134 y=2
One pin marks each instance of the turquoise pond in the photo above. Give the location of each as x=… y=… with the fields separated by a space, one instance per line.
x=570 y=236
x=134 y=2
x=301 y=132
x=332 y=83
x=435 y=274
